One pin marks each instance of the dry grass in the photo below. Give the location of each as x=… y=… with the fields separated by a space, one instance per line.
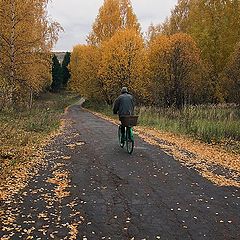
x=213 y=123
x=23 y=133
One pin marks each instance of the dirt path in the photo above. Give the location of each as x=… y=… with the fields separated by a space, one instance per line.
x=90 y=188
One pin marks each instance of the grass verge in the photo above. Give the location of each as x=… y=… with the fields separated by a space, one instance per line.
x=23 y=132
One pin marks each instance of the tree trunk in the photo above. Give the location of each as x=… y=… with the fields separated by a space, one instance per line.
x=12 y=51
x=31 y=98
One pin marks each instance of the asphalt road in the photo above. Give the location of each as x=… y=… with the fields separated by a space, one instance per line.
x=113 y=195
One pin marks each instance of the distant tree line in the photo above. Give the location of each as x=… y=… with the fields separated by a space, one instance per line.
x=192 y=58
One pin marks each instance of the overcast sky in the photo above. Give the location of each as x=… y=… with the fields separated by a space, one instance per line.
x=77 y=17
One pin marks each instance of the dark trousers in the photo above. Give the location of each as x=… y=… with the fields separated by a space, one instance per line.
x=123 y=131
x=122 y=127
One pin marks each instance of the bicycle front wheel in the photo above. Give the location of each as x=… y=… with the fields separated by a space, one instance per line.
x=129 y=140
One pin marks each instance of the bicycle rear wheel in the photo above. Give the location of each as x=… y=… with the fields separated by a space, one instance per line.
x=121 y=143
x=129 y=140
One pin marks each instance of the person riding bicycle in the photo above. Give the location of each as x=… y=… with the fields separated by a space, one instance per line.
x=123 y=105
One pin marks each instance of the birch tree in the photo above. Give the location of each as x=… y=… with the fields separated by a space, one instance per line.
x=175 y=67
x=26 y=37
x=113 y=16
x=122 y=64
x=215 y=27
x=84 y=66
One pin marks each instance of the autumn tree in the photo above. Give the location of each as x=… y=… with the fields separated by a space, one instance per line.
x=159 y=55
x=26 y=37
x=179 y=20
x=65 y=70
x=122 y=64
x=153 y=31
x=113 y=16
x=174 y=66
x=215 y=26
x=90 y=78
x=84 y=65
x=128 y=17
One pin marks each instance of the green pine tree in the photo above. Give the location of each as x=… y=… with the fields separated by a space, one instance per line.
x=65 y=71
x=56 y=74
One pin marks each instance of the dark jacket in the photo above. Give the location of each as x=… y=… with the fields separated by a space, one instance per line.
x=124 y=105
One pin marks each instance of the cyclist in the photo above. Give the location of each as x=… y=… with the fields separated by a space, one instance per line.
x=123 y=105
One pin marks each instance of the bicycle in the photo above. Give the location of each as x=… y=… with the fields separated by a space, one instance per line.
x=127 y=122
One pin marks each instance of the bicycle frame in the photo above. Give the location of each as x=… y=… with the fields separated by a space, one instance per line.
x=128 y=139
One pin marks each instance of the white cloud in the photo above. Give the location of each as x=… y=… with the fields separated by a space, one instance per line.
x=77 y=17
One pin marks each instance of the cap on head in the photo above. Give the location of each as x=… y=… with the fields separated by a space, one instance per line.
x=124 y=90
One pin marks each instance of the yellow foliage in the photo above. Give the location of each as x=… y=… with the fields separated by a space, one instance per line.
x=159 y=67
x=107 y=22
x=128 y=17
x=215 y=26
x=123 y=64
x=118 y=57
x=173 y=64
x=84 y=69
x=26 y=39
x=169 y=69
x=153 y=31
x=113 y=16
